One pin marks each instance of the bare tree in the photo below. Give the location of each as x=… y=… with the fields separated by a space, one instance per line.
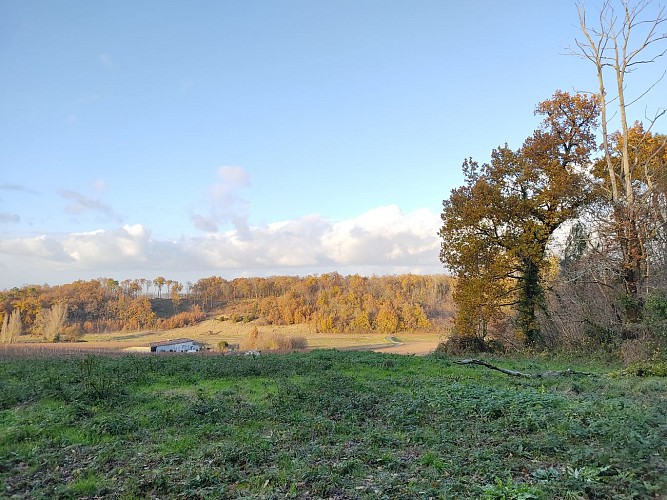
x=11 y=327
x=618 y=42
x=51 y=321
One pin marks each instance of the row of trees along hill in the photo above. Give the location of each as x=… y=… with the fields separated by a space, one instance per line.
x=329 y=302
x=609 y=188
x=104 y=304
x=335 y=303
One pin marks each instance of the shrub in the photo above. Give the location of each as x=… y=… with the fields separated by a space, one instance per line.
x=461 y=344
x=655 y=308
x=183 y=319
x=636 y=350
x=71 y=333
x=647 y=369
x=298 y=343
x=272 y=342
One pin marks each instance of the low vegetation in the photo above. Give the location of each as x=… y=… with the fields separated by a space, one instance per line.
x=273 y=341
x=326 y=424
x=330 y=424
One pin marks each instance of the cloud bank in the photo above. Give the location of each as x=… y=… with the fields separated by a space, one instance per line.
x=382 y=241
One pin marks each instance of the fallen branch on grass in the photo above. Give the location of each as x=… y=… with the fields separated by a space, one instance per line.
x=514 y=373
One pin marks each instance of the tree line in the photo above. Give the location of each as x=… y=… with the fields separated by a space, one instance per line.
x=335 y=303
x=328 y=302
x=600 y=193
x=68 y=311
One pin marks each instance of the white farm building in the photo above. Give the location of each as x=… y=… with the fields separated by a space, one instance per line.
x=178 y=345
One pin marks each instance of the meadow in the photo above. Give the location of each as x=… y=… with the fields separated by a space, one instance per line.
x=211 y=332
x=325 y=424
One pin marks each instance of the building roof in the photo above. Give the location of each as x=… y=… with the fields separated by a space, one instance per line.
x=172 y=342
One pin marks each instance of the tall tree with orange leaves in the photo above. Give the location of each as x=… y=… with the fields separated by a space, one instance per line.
x=497 y=227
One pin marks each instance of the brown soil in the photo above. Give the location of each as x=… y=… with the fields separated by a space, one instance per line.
x=419 y=348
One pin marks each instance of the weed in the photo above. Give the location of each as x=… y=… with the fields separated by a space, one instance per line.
x=509 y=490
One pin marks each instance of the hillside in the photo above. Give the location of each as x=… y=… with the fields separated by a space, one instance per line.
x=327 y=304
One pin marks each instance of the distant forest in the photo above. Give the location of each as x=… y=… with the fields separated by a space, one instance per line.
x=328 y=302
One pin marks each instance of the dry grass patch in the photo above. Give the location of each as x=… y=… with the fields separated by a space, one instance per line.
x=272 y=341
x=213 y=333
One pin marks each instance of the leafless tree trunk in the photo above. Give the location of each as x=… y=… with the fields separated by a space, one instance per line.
x=52 y=320
x=616 y=44
x=11 y=327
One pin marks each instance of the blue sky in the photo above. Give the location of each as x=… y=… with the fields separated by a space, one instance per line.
x=257 y=137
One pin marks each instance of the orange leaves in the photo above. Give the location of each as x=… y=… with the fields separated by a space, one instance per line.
x=497 y=226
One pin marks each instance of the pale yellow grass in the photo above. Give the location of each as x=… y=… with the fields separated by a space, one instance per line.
x=211 y=332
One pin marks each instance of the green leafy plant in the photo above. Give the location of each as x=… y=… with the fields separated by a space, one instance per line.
x=509 y=490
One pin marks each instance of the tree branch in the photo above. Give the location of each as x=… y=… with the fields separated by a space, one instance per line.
x=514 y=373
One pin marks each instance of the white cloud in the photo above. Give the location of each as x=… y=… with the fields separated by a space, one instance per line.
x=41 y=247
x=233 y=177
x=225 y=205
x=99 y=185
x=127 y=245
x=6 y=217
x=81 y=204
x=381 y=241
x=384 y=235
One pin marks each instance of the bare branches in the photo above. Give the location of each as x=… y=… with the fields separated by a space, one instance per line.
x=648 y=89
x=595 y=50
x=651 y=36
x=621 y=43
x=617 y=44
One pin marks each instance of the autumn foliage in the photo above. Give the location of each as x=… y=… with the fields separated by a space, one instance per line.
x=329 y=303
x=335 y=303
x=498 y=226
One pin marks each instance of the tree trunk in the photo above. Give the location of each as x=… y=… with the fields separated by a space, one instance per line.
x=633 y=254
x=531 y=295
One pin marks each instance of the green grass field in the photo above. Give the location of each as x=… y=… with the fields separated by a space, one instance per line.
x=324 y=424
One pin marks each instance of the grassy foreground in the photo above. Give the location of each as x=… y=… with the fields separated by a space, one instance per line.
x=324 y=424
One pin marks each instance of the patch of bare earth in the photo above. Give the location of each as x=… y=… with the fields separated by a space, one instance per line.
x=419 y=348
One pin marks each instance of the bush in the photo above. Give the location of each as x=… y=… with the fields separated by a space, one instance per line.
x=647 y=369
x=71 y=333
x=636 y=350
x=272 y=342
x=183 y=319
x=461 y=344
x=298 y=343
x=655 y=308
